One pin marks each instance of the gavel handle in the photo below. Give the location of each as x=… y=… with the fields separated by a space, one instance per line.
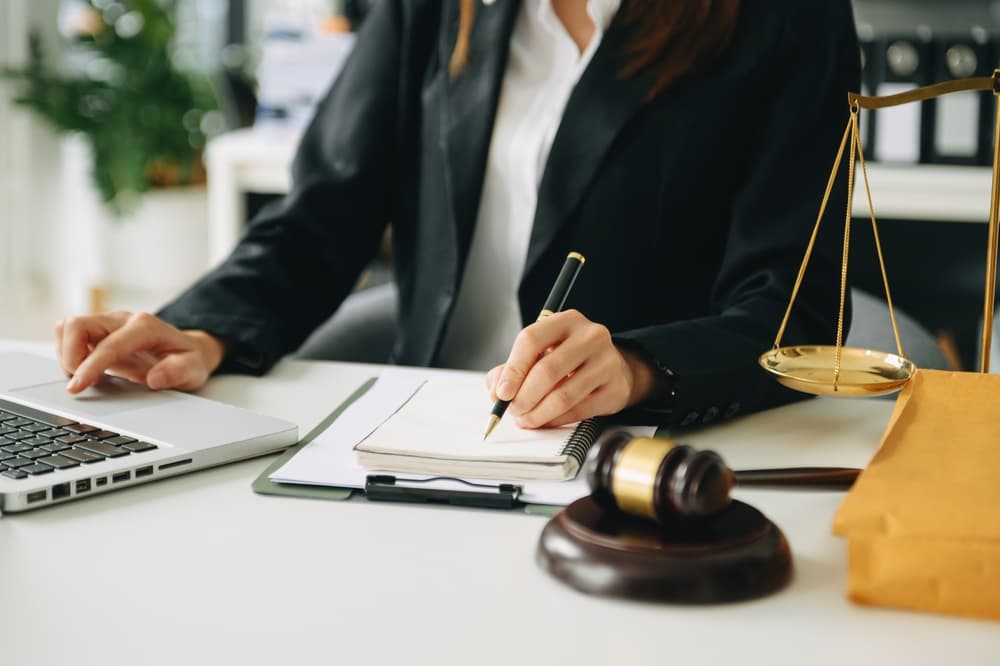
x=811 y=477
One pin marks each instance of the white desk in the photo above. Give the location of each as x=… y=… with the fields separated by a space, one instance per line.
x=199 y=570
x=247 y=160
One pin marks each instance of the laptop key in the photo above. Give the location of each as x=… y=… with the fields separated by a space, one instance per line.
x=81 y=455
x=136 y=447
x=36 y=453
x=79 y=428
x=71 y=439
x=59 y=461
x=102 y=434
x=37 y=468
x=17 y=462
x=35 y=427
x=37 y=441
x=53 y=433
x=102 y=448
x=19 y=435
x=15 y=448
x=118 y=441
x=54 y=447
x=14 y=474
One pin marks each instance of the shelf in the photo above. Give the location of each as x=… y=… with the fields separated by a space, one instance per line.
x=925 y=192
x=251 y=160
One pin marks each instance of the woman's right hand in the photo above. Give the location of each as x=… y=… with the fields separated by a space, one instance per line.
x=139 y=347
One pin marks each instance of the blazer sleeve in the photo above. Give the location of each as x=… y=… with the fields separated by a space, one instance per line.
x=302 y=255
x=712 y=361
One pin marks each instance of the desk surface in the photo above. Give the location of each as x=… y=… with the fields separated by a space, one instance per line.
x=198 y=569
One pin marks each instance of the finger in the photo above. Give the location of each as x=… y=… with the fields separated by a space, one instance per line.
x=588 y=343
x=78 y=335
x=177 y=371
x=530 y=343
x=563 y=398
x=491 y=382
x=142 y=332
x=590 y=406
x=134 y=368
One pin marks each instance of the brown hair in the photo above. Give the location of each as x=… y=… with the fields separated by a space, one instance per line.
x=675 y=39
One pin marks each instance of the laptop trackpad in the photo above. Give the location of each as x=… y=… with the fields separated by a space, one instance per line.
x=169 y=417
x=111 y=396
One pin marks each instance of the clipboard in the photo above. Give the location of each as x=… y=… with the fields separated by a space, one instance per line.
x=386 y=487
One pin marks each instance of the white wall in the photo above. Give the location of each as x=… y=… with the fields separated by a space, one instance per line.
x=28 y=168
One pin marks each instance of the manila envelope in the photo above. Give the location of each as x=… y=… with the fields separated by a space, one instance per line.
x=923 y=519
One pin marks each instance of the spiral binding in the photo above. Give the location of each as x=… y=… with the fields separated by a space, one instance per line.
x=583 y=437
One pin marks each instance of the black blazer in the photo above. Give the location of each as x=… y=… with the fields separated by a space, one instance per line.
x=693 y=209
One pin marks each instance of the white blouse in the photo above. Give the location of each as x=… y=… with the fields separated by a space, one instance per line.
x=544 y=64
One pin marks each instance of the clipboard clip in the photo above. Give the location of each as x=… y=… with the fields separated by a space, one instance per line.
x=385 y=487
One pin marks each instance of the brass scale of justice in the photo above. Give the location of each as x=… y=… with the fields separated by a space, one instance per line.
x=845 y=371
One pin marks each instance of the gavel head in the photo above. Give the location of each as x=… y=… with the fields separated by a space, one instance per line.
x=657 y=478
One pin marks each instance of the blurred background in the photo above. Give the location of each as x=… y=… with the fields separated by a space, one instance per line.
x=108 y=113
x=137 y=137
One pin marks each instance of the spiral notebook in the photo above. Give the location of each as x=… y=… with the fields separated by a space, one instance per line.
x=439 y=431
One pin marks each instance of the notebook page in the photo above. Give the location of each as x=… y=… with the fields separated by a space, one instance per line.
x=445 y=419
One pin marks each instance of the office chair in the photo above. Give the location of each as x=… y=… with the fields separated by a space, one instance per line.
x=871 y=328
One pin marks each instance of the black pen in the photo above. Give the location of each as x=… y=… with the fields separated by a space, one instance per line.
x=557 y=297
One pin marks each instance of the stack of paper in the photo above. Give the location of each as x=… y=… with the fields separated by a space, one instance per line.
x=923 y=520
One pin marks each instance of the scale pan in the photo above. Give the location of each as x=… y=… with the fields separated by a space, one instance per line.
x=863 y=372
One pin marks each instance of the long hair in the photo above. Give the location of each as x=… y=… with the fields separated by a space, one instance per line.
x=673 y=40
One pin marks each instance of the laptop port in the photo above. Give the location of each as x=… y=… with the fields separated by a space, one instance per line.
x=60 y=491
x=176 y=463
x=144 y=471
x=36 y=496
x=83 y=486
x=121 y=476
x=101 y=481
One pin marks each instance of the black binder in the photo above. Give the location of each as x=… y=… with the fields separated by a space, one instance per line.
x=958 y=128
x=899 y=63
x=867 y=44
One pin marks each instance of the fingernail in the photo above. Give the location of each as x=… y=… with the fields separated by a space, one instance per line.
x=505 y=391
x=73 y=384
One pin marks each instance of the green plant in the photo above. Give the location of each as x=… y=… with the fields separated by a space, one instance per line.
x=142 y=116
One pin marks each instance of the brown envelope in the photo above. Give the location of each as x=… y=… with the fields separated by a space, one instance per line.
x=923 y=519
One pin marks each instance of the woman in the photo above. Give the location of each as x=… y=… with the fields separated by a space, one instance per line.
x=682 y=147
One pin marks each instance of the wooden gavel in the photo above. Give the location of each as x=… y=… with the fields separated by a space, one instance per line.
x=664 y=481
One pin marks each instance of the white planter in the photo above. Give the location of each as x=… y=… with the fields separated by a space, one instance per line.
x=162 y=246
x=135 y=262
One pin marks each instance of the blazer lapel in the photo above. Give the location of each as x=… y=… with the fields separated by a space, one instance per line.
x=598 y=108
x=470 y=107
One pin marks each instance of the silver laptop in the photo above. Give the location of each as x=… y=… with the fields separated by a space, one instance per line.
x=56 y=447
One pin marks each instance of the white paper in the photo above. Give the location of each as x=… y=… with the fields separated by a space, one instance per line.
x=328 y=460
x=445 y=419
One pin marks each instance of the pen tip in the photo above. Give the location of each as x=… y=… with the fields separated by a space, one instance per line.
x=494 y=420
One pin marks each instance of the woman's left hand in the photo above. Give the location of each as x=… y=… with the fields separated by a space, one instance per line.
x=565 y=368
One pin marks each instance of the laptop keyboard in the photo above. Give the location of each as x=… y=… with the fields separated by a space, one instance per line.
x=34 y=442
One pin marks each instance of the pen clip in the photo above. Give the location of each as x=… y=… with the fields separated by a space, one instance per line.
x=386 y=487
